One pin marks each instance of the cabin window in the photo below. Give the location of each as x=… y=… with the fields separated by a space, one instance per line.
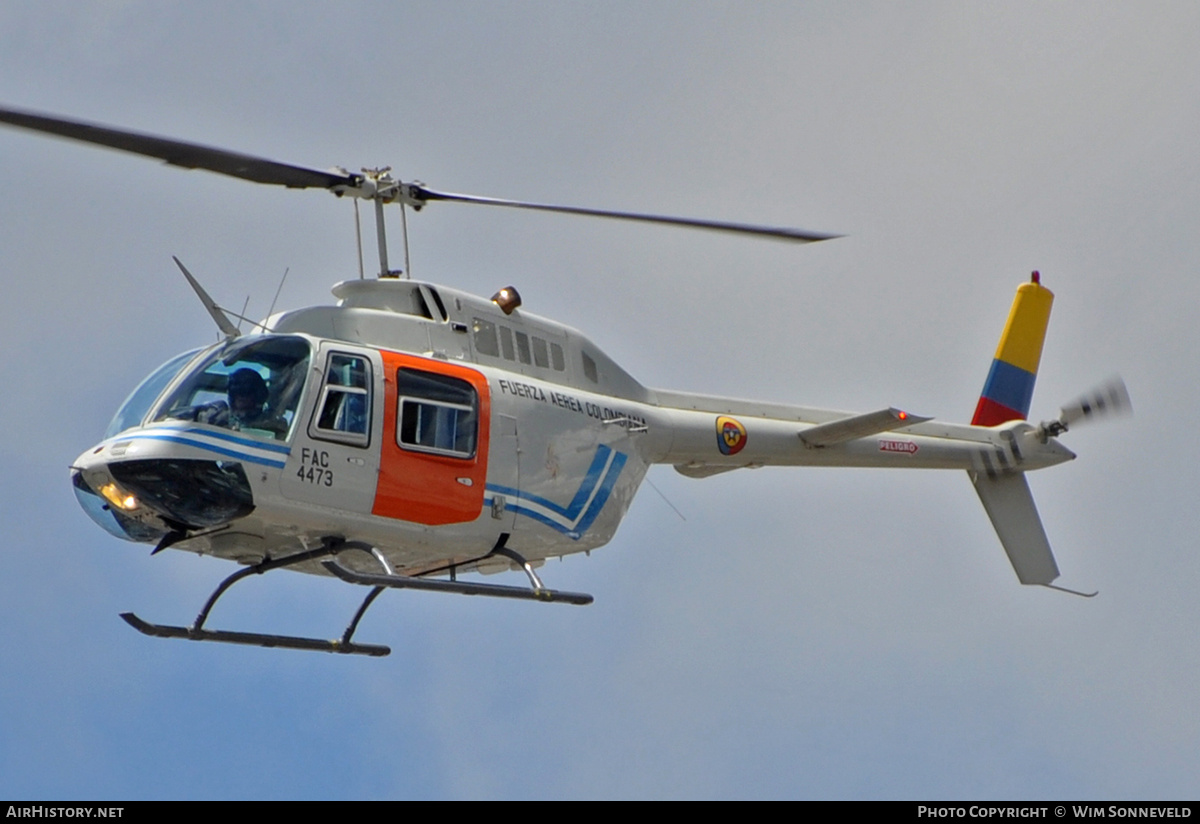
x=506 y=343
x=431 y=303
x=523 y=348
x=438 y=414
x=556 y=358
x=541 y=355
x=589 y=368
x=344 y=412
x=485 y=338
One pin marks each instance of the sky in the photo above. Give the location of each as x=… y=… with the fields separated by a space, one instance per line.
x=797 y=633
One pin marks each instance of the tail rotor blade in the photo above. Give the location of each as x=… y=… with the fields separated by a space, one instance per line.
x=1110 y=398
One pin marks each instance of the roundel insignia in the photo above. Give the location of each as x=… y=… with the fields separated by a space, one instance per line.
x=731 y=435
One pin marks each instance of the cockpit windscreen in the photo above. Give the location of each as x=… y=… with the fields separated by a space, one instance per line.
x=253 y=386
x=139 y=401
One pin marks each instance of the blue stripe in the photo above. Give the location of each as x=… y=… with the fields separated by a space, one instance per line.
x=1010 y=386
x=606 y=488
x=571 y=511
x=216 y=449
x=581 y=521
x=589 y=482
x=226 y=436
x=574 y=534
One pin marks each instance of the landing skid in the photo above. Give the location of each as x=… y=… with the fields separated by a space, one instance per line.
x=462 y=587
x=329 y=550
x=254 y=639
x=536 y=592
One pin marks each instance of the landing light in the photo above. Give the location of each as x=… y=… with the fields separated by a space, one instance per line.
x=118 y=498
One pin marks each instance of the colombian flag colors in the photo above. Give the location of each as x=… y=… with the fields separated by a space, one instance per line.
x=1009 y=386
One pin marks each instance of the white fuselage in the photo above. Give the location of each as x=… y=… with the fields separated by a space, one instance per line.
x=468 y=424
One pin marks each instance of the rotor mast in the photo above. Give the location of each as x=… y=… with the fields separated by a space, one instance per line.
x=380 y=187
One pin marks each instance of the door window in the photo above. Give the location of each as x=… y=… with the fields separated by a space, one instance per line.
x=344 y=412
x=438 y=414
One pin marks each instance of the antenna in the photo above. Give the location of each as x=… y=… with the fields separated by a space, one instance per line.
x=278 y=289
x=242 y=316
x=216 y=312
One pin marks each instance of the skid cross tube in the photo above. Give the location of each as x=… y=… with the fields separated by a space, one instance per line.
x=343 y=645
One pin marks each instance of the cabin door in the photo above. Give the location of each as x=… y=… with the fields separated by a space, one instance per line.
x=334 y=460
x=436 y=435
x=504 y=475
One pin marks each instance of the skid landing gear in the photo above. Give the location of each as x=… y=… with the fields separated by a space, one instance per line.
x=197 y=632
x=329 y=550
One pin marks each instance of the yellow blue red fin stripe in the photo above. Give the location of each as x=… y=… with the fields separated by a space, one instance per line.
x=1025 y=332
x=1008 y=390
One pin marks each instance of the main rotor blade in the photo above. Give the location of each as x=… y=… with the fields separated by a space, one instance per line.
x=261 y=170
x=776 y=232
x=179 y=153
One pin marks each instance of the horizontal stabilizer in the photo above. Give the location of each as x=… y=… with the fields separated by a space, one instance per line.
x=1009 y=504
x=695 y=469
x=858 y=426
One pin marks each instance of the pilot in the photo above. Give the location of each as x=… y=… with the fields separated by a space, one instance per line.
x=247 y=396
x=246 y=407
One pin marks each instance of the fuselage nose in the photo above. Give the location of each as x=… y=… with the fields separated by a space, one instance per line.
x=143 y=498
x=187 y=492
x=100 y=510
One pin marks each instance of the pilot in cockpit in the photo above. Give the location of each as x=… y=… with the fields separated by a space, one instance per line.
x=246 y=408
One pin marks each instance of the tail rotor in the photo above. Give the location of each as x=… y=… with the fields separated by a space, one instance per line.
x=1109 y=399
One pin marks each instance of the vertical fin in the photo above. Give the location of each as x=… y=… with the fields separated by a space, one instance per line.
x=1009 y=385
x=1009 y=504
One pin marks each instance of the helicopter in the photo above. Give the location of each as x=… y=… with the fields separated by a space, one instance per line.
x=413 y=432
